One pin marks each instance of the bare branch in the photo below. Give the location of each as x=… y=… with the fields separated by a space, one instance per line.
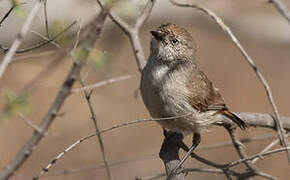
x=64 y=91
x=94 y=118
x=116 y=19
x=46 y=18
x=282 y=9
x=21 y=35
x=132 y=32
x=27 y=121
x=143 y=16
x=103 y=83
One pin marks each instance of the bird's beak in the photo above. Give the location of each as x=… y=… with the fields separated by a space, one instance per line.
x=157 y=34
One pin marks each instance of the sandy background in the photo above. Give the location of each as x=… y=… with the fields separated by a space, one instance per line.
x=262 y=31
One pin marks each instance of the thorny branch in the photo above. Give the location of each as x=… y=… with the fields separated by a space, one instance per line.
x=90 y=39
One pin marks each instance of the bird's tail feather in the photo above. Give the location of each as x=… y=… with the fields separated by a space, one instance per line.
x=235 y=119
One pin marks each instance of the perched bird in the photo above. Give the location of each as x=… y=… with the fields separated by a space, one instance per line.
x=172 y=85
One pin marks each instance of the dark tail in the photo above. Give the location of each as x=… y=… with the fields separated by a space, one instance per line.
x=235 y=119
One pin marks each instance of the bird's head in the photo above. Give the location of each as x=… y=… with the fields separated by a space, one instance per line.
x=172 y=43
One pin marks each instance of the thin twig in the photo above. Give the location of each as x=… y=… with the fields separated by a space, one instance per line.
x=46 y=19
x=282 y=9
x=225 y=28
x=27 y=121
x=94 y=118
x=267 y=148
x=6 y=15
x=47 y=40
x=78 y=35
x=102 y=83
x=100 y=166
x=259 y=155
x=20 y=36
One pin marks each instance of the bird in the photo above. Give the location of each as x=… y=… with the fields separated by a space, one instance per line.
x=173 y=85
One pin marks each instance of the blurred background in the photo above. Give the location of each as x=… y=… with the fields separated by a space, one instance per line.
x=31 y=82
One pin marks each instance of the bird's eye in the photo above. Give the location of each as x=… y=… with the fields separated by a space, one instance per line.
x=174 y=41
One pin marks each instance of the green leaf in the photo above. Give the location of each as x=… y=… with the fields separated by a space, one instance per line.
x=15 y=104
x=18 y=9
x=97 y=59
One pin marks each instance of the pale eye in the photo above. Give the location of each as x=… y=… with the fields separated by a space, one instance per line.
x=174 y=41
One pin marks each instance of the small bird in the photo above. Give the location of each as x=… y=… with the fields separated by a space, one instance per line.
x=172 y=85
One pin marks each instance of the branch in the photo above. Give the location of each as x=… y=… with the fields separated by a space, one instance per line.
x=259 y=155
x=133 y=31
x=94 y=118
x=282 y=9
x=46 y=19
x=29 y=146
x=102 y=83
x=225 y=28
x=20 y=36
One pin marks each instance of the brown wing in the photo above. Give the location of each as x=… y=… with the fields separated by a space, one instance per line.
x=203 y=95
